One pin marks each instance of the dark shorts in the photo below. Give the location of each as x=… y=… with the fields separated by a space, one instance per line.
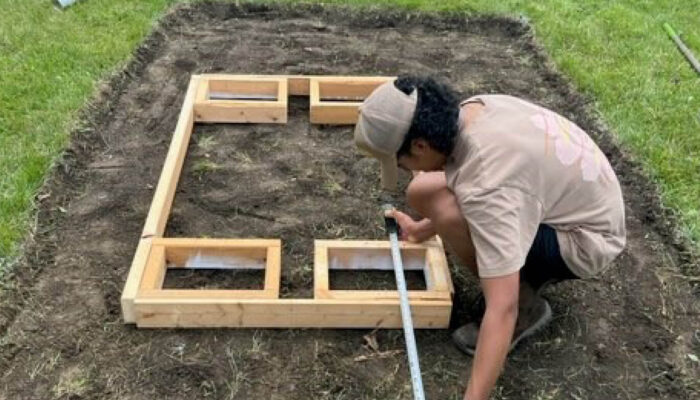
x=544 y=264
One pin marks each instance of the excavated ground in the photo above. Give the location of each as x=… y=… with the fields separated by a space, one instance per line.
x=630 y=334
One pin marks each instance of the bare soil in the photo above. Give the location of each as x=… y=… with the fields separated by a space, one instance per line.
x=630 y=334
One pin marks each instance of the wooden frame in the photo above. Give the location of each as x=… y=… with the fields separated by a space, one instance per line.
x=174 y=252
x=287 y=313
x=242 y=100
x=335 y=100
x=155 y=307
x=262 y=98
x=162 y=199
x=376 y=255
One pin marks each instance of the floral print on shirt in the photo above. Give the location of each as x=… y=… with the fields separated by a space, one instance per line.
x=572 y=144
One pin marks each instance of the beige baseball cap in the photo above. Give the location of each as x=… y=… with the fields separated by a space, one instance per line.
x=384 y=119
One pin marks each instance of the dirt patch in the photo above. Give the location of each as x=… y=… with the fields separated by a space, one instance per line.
x=630 y=334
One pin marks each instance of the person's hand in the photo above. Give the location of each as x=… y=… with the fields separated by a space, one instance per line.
x=410 y=230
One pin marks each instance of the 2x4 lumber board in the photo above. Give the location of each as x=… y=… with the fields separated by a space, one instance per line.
x=298 y=85
x=205 y=303
x=245 y=86
x=450 y=284
x=347 y=89
x=321 y=274
x=438 y=255
x=216 y=243
x=165 y=191
x=314 y=93
x=202 y=91
x=240 y=112
x=154 y=274
x=288 y=313
x=179 y=250
x=334 y=114
x=374 y=244
x=133 y=280
x=437 y=274
x=213 y=295
x=439 y=320
x=362 y=295
x=273 y=271
x=211 y=304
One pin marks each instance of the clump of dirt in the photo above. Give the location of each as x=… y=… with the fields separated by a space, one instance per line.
x=629 y=334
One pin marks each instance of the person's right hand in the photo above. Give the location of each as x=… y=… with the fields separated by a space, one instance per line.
x=410 y=230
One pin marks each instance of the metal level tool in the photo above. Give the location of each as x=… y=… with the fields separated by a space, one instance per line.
x=411 y=349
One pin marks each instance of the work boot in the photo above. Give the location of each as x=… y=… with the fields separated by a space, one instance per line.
x=533 y=313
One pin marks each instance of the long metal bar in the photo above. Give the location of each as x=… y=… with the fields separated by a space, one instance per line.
x=406 y=319
x=682 y=47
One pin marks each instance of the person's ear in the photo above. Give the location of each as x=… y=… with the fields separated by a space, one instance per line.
x=419 y=146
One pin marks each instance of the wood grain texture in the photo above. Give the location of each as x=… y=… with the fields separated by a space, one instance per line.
x=133 y=280
x=288 y=313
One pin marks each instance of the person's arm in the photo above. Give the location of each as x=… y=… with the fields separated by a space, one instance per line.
x=495 y=334
x=413 y=231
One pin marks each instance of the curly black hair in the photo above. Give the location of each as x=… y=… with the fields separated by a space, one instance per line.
x=437 y=113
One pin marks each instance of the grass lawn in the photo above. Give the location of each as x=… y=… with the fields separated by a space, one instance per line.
x=616 y=52
x=49 y=65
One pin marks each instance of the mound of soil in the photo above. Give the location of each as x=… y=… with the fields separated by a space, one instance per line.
x=630 y=334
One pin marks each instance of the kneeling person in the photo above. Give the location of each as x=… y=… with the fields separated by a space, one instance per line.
x=521 y=194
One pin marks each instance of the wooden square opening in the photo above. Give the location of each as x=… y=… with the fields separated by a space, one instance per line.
x=239 y=254
x=372 y=269
x=376 y=255
x=241 y=100
x=336 y=100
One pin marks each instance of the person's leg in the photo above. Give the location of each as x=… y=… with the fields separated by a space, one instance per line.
x=543 y=265
x=429 y=195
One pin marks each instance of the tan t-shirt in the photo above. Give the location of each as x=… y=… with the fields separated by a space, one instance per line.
x=518 y=165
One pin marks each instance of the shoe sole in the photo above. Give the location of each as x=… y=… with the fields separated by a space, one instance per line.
x=526 y=333
x=535 y=327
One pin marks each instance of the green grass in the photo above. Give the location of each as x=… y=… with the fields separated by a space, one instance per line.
x=50 y=61
x=614 y=51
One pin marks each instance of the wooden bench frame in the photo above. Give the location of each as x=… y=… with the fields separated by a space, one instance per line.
x=263 y=99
